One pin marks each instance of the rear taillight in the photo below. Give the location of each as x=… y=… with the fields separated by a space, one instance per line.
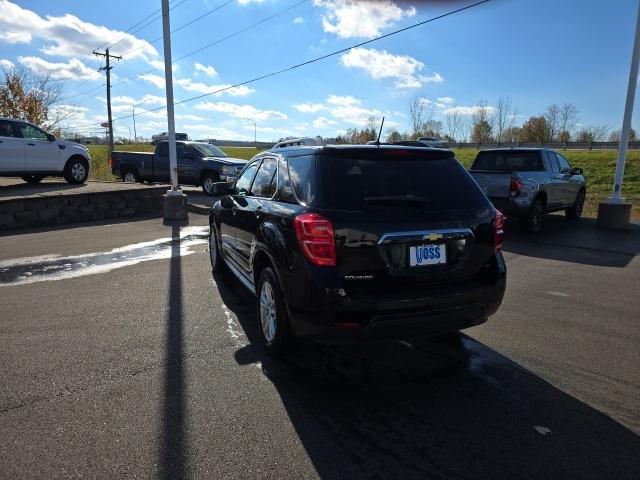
x=110 y=162
x=316 y=238
x=499 y=235
x=516 y=186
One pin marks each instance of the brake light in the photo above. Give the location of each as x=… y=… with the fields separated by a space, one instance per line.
x=499 y=235
x=516 y=185
x=316 y=238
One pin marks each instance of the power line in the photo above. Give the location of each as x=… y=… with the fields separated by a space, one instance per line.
x=220 y=40
x=308 y=62
x=84 y=93
x=200 y=17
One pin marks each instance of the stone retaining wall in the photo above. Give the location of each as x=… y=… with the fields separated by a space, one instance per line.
x=26 y=212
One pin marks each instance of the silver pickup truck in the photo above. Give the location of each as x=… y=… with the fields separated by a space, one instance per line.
x=528 y=182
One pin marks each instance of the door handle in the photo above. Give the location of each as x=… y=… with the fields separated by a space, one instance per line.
x=258 y=211
x=31 y=144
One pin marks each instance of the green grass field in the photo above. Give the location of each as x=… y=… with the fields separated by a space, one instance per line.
x=598 y=167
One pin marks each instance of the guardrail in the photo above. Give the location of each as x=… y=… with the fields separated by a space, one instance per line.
x=635 y=145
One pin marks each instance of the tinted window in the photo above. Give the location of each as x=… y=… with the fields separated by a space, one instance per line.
x=29 y=131
x=207 y=150
x=163 y=150
x=553 y=162
x=302 y=172
x=431 y=184
x=508 y=161
x=8 y=129
x=244 y=181
x=264 y=184
x=564 y=165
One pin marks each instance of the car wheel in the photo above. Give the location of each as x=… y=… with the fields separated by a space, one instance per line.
x=130 y=176
x=76 y=171
x=273 y=325
x=208 y=179
x=575 y=211
x=33 y=178
x=217 y=262
x=532 y=221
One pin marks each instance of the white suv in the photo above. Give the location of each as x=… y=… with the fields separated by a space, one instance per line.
x=28 y=152
x=433 y=142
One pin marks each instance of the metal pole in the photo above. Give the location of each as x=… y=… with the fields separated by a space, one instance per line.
x=135 y=134
x=626 y=123
x=108 y=70
x=255 y=134
x=168 y=77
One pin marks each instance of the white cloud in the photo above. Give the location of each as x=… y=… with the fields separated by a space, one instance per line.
x=190 y=117
x=145 y=100
x=159 y=65
x=154 y=79
x=462 y=110
x=309 y=107
x=74 y=69
x=358 y=19
x=322 y=122
x=298 y=20
x=446 y=100
x=241 y=111
x=65 y=36
x=192 y=86
x=207 y=131
x=246 y=2
x=349 y=109
x=7 y=64
x=382 y=64
x=207 y=70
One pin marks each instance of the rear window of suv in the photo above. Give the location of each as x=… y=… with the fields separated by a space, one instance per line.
x=412 y=181
x=508 y=161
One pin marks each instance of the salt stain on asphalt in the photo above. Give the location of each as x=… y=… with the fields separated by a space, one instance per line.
x=46 y=268
x=558 y=294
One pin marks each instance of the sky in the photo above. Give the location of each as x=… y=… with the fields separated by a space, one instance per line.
x=537 y=52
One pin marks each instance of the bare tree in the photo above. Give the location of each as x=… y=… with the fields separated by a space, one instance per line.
x=28 y=96
x=454 y=124
x=417 y=114
x=505 y=117
x=568 y=118
x=552 y=117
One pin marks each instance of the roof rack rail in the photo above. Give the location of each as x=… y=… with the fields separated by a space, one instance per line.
x=308 y=141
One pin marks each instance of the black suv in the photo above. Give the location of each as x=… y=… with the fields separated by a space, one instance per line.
x=349 y=242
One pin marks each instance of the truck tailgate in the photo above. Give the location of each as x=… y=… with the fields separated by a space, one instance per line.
x=494 y=184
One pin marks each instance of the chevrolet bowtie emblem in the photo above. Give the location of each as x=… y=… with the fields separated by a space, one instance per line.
x=432 y=237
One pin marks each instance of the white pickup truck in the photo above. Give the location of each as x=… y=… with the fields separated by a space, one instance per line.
x=29 y=152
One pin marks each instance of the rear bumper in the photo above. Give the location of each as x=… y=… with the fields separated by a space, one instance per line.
x=332 y=314
x=509 y=206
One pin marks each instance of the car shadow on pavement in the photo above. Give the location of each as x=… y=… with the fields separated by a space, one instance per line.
x=578 y=241
x=432 y=408
x=172 y=440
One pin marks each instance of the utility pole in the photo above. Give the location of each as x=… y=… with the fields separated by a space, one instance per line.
x=615 y=213
x=175 y=202
x=135 y=134
x=107 y=68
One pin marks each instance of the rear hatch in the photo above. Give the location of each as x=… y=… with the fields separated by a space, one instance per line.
x=404 y=219
x=494 y=170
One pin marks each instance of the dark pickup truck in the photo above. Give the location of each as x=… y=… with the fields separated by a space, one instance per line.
x=199 y=164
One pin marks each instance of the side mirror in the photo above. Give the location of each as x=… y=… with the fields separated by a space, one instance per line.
x=576 y=171
x=51 y=138
x=222 y=188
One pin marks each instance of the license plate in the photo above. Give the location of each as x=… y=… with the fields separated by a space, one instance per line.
x=431 y=254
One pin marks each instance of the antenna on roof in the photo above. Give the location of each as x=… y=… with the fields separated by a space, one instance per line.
x=380 y=132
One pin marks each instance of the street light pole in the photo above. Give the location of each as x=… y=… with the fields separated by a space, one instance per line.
x=615 y=213
x=175 y=204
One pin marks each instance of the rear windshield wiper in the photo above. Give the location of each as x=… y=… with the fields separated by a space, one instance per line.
x=406 y=199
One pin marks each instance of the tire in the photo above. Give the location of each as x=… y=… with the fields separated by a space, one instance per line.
x=575 y=211
x=532 y=221
x=130 y=176
x=208 y=179
x=273 y=325
x=76 y=171
x=217 y=262
x=33 y=178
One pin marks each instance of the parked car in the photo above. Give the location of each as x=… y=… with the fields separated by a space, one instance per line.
x=29 y=152
x=354 y=242
x=199 y=164
x=526 y=183
x=155 y=139
x=433 y=142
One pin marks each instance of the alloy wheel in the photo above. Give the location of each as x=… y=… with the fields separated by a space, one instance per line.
x=268 y=312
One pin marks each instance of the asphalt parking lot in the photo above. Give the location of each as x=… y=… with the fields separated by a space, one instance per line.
x=123 y=358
